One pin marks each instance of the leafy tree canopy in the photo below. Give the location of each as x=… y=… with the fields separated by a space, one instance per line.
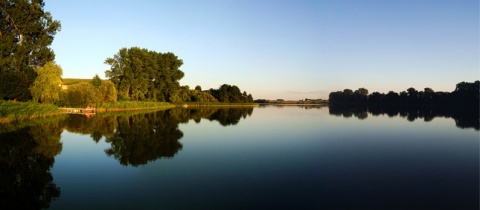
x=231 y=94
x=26 y=32
x=46 y=87
x=140 y=74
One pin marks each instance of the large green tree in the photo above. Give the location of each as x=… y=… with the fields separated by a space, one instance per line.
x=46 y=87
x=26 y=32
x=231 y=94
x=140 y=74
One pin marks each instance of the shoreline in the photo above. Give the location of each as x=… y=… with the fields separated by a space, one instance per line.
x=16 y=112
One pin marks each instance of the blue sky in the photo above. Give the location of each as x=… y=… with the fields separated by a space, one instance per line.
x=281 y=49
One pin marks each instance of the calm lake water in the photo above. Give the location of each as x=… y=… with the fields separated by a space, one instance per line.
x=270 y=157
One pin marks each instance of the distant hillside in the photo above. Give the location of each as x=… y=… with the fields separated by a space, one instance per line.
x=72 y=81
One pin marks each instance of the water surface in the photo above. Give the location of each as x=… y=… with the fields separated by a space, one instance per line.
x=271 y=157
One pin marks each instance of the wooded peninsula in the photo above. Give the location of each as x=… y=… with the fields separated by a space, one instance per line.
x=137 y=78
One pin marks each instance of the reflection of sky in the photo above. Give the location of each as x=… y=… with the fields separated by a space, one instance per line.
x=279 y=156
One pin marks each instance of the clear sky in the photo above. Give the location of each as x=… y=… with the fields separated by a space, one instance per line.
x=281 y=49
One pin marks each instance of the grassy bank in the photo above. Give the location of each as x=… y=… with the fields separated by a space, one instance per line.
x=14 y=112
x=132 y=105
x=21 y=111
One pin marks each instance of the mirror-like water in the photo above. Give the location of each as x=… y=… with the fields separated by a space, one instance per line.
x=271 y=157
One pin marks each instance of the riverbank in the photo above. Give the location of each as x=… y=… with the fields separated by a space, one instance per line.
x=14 y=112
x=131 y=105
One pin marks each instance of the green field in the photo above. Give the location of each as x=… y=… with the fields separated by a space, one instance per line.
x=72 y=81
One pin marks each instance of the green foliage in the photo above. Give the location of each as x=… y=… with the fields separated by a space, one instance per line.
x=26 y=32
x=184 y=94
x=231 y=94
x=85 y=93
x=73 y=81
x=96 y=81
x=47 y=86
x=201 y=97
x=140 y=74
x=15 y=85
x=133 y=105
x=80 y=94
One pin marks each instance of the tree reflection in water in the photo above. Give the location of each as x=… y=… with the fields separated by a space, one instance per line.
x=465 y=117
x=26 y=157
x=142 y=138
x=27 y=151
x=137 y=138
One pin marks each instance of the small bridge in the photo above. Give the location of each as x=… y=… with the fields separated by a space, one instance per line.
x=78 y=110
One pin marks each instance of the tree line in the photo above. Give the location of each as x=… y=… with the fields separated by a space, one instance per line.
x=465 y=93
x=28 y=70
x=141 y=74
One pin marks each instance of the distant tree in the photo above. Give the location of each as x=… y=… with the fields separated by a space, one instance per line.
x=412 y=95
x=26 y=32
x=348 y=92
x=336 y=97
x=96 y=81
x=46 y=87
x=392 y=97
x=361 y=95
x=376 y=97
x=466 y=94
x=231 y=94
x=428 y=95
x=198 y=88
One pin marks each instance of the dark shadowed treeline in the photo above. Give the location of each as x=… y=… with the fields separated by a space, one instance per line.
x=464 y=94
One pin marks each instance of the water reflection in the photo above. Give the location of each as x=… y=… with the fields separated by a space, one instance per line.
x=26 y=157
x=28 y=150
x=465 y=117
x=137 y=138
x=301 y=106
